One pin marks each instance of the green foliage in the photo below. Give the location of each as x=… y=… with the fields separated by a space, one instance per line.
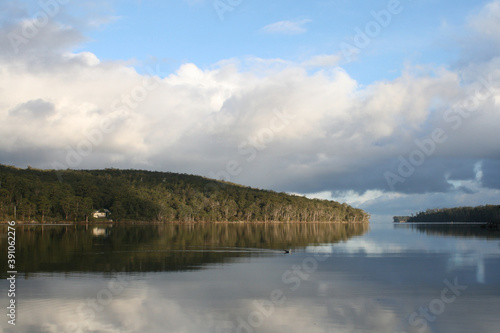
x=488 y=213
x=136 y=195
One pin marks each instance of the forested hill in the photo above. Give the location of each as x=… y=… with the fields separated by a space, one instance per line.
x=488 y=213
x=136 y=195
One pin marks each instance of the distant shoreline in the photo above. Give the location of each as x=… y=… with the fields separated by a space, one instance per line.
x=445 y=223
x=175 y=222
x=487 y=214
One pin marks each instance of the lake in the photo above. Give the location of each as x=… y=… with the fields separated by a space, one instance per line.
x=223 y=278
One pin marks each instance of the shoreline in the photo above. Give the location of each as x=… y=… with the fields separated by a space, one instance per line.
x=447 y=223
x=175 y=222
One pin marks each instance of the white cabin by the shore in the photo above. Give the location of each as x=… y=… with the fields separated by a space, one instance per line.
x=101 y=213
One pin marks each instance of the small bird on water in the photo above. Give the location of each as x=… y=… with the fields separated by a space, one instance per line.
x=288 y=251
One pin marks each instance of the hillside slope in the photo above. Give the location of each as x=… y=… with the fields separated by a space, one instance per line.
x=137 y=195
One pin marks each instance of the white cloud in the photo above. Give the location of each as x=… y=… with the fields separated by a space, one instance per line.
x=286 y=27
x=487 y=21
x=478 y=41
x=284 y=123
x=97 y=22
x=323 y=60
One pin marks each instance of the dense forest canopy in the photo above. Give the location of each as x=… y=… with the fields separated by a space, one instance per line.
x=136 y=195
x=488 y=213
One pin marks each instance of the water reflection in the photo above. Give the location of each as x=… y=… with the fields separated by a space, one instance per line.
x=386 y=280
x=453 y=229
x=161 y=247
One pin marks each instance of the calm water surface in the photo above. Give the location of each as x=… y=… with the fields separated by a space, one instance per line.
x=237 y=278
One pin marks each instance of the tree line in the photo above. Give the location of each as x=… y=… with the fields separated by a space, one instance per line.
x=487 y=213
x=137 y=195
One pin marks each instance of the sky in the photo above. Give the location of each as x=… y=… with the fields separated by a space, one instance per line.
x=392 y=106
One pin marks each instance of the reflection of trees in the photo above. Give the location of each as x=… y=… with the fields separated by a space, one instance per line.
x=456 y=230
x=160 y=247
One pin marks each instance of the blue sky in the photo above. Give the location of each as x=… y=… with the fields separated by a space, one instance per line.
x=391 y=106
x=191 y=31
